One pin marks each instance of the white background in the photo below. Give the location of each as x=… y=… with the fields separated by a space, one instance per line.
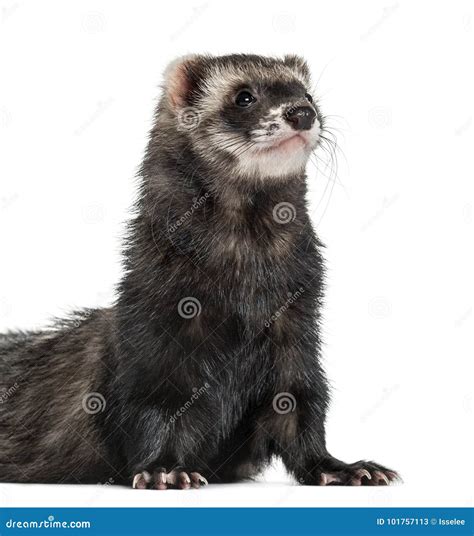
x=79 y=81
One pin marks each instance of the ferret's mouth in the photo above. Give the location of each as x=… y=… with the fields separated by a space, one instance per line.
x=288 y=144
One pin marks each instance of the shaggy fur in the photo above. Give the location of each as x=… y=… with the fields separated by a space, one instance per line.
x=209 y=363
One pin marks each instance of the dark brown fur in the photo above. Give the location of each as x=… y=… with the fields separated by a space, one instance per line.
x=257 y=282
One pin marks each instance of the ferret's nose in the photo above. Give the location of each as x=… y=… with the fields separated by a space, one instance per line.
x=301 y=117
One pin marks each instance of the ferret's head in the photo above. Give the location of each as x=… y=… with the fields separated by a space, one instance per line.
x=250 y=115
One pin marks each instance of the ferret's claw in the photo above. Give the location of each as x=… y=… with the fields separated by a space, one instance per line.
x=141 y=480
x=161 y=479
x=382 y=479
x=198 y=480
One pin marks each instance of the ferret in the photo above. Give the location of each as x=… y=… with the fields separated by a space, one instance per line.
x=208 y=365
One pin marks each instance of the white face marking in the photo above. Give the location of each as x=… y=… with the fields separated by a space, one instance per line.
x=277 y=149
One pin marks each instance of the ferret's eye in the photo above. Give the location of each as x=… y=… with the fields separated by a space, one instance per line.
x=244 y=99
x=309 y=97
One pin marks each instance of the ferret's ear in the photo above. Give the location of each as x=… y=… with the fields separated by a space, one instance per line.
x=297 y=64
x=180 y=79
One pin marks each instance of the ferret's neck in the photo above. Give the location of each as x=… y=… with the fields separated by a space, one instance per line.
x=173 y=172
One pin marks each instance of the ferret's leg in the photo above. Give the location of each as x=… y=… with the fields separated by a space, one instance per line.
x=301 y=439
x=164 y=453
x=243 y=456
x=295 y=418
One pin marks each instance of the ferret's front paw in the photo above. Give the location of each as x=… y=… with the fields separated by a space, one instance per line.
x=161 y=479
x=359 y=474
x=333 y=472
